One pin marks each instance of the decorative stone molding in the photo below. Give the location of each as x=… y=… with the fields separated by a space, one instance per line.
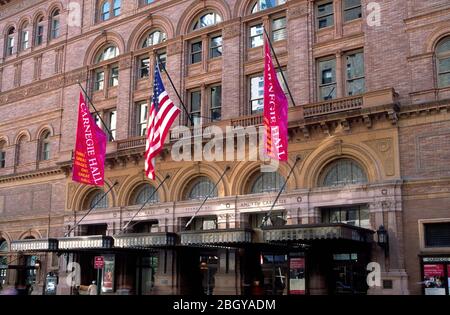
x=28 y=175
x=384 y=150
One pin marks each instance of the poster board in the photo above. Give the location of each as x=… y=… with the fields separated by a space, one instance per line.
x=297 y=282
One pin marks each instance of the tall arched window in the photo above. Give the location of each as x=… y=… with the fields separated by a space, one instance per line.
x=261 y=5
x=97 y=200
x=44 y=146
x=154 y=37
x=205 y=20
x=20 y=149
x=143 y=193
x=39 y=31
x=117 y=6
x=55 y=24
x=106 y=7
x=443 y=62
x=24 y=36
x=3 y=261
x=2 y=154
x=111 y=77
x=200 y=188
x=343 y=172
x=10 y=38
x=267 y=182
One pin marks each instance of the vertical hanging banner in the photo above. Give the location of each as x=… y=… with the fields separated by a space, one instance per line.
x=275 y=112
x=90 y=149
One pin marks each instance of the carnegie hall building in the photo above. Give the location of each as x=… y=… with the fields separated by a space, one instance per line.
x=369 y=148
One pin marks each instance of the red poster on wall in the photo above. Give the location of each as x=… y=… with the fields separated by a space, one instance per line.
x=297 y=276
x=434 y=279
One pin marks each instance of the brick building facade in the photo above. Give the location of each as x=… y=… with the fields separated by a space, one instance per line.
x=371 y=85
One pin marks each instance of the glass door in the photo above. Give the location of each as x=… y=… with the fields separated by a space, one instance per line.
x=275 y=270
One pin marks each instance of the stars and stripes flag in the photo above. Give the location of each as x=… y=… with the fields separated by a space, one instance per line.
x=161 y=115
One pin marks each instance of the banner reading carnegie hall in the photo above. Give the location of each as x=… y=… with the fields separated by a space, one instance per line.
x=90 y=149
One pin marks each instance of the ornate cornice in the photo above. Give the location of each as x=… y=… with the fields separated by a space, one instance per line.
x=31 y=175
x=43 y=86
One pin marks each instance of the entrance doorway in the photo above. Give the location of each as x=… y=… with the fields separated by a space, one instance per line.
x=348 y=275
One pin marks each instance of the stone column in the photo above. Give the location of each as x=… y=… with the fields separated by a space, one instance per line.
x=166 y=275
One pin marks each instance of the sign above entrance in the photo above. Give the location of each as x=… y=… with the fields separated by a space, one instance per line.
x=99 y=262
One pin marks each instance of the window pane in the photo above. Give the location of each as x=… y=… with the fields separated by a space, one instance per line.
x=105 y=11
x=142 y=119
x=256 y=36
x=355 y=65
x=196 y=51
x=327 y=71
x=216 y=103
x=444 y=65
x=325 y=9
x=352 y=14
x=344 y=172
x=202 y=188
x=195 y=101
x=355 y=87
x=257 y=93
x=267 y=182
x=351 y=3
x=279 y=29
x=99 y=201
x=112 y=121
x=144 y=68
x=144 y=194
x=444 y=46
x=114 y=77
x=99 y=78
x=216 y=47
x=117 y=4
x=444 y=80
x=437 y=235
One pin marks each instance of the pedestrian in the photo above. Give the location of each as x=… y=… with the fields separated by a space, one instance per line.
x=92 y=289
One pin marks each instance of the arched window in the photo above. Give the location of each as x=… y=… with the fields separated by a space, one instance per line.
x=200 y=188
x=261 y=5
x=20 y=149
x=39 y=31
x=55 y=24
x=117 y=5
x=205 y=20
x=10 y=41
x=2 y=154
x=343 y=172
x=267 y=182
x=443 y=62
x=107 y=53
x=97 y=200
x=3 y=261
x=143 y=193
x=44 y=146
x=106 y=7
x=153 y=38
x=24 y=36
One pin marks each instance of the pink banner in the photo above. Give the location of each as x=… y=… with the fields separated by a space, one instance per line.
x=90 y=149
x=275 y=112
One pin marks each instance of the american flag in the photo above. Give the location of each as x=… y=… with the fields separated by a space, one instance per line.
x=161 y=115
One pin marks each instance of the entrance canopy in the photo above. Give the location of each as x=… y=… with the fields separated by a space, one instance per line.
x=314 y=232
x=34 y=245
x=219 y=237
x=147 y=240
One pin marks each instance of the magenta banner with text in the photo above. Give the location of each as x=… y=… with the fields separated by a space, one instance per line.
x=90 y=149
x=275 y=112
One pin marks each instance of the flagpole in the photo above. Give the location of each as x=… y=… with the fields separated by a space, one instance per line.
x=145 y=203
x=266 y=217
x=96 y=111
x=92 y=208
x=279 y=66
x=173 y=86
x=207 y=197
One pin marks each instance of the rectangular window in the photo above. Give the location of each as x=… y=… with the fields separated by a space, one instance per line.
x=117 y=4
x=355 y=73
x=279 y=31
x=216 y=102
x=327 y=79
x=144 y=67
x=443 y=72
x=352 y=10
x=114 y=77
x=356 y=216
x=162 y=55
x=55 y=28
x=196 y=52
x=2 y=159
x=203 y=223
x=111 y=121
x=325 y=14
x=437 y=234
x=256 y=36
x=99 y=80
x=195 y=106
x=25 y=40
x=257 y=94
x=215 y=47
x=45 y=151
x=10 y=45
x=141 y=115
x=39 y=35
